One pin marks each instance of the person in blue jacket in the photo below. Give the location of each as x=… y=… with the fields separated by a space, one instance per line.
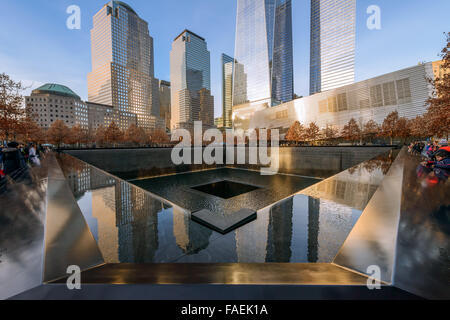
x=441 y=166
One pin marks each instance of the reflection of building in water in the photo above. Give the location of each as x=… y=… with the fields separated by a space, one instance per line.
x=127 y=216
x=137 y=221
x=280 y=233
x=351 y=188
x=319 y=228
x=104 y=210
x=190 y=236
x=313 y=228
x=251 y=239
x=334 y=206
x=79 y=181
x=86 y=178
x=334 y=224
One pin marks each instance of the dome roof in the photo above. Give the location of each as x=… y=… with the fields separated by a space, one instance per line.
x=56 y=89
x=123 y=4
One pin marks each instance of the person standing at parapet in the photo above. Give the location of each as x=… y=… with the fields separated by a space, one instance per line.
x=34 y=160
x=14 y=164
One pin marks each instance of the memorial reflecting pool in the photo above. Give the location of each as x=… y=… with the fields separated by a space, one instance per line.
x=299 y=219
x=317 y=235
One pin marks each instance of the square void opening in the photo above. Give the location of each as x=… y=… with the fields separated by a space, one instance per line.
x=225 y=189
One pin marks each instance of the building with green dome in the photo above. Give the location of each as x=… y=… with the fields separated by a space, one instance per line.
x=57 y=89
x=52 y=102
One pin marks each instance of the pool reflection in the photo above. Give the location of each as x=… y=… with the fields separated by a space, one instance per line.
x=131 y=225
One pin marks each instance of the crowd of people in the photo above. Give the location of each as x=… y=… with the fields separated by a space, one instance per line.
x=16 y=159
x=436 y=167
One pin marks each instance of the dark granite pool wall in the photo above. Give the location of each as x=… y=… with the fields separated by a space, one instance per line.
x=320 y=162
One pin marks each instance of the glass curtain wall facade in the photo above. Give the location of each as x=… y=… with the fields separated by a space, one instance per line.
x=123 y=64
x=190 y=79
x=227 y=90
x=263 y=51
x=333 y=36
x=164 y=101
x=283 y=69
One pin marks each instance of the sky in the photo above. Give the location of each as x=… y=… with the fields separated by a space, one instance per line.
x=36 y=47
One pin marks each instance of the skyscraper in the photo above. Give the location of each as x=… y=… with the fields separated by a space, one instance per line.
x=164 y=101
x=263 y=52
x=227 y=90
x=191 y=98
x=333 y=34
x=123 y=64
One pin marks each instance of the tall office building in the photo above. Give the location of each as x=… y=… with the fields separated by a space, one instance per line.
x=263 y=52
x=191 y=98
x=104 y=115
x=227 y=90
x=333 y=34
x=123 y=64
x=164 y=101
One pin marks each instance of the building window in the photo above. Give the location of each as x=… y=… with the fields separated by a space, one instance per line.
x=403 y=91
x=390 y=97
x=332 y=105
x=282 y=114
x=376 y=96
x=364 y=103
x=342 y=102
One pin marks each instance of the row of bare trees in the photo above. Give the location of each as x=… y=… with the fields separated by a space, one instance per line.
x=59 y=133
x=392 y=127
x=112 y=135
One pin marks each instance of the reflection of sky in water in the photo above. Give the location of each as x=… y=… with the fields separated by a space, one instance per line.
x=85 y=203
x=299 y=232
x=130 y=225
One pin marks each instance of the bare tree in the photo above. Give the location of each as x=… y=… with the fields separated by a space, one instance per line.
x=437 y=117
x=418 y=127
x=100 y=136
x=11 y=105
x=371 y=130
x=78 y=135
x=330 y=133
x=296 y=132
x=135 y=135
x=58 y=133
x=389 y=126
x=351 y=131
x=402 y=130
x=159 y=136
x=113 y=134
x=312 y=132
x=29 y=131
